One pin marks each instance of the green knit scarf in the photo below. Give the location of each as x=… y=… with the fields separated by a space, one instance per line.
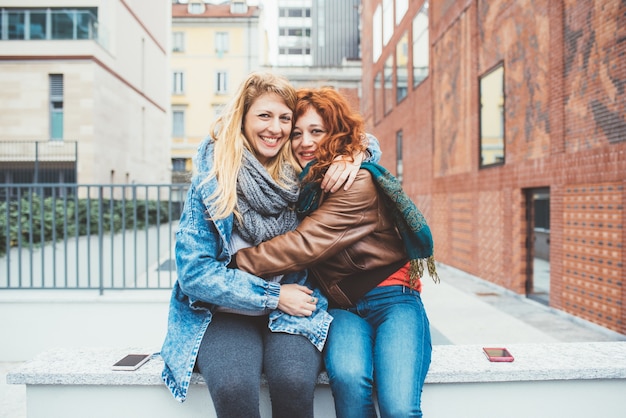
x=411 y=224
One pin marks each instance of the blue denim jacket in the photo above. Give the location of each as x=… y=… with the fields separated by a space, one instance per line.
x=204 y=283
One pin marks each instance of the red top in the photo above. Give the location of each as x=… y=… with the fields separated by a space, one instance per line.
x=401 y=277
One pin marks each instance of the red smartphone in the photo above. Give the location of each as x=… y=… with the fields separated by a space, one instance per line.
x=497 y=354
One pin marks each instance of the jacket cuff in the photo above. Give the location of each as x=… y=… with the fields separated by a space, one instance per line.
x=273 y=291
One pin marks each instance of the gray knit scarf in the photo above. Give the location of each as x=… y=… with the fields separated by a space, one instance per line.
x=265 y=207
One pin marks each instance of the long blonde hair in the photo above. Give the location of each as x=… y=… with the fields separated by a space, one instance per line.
x=227 y=131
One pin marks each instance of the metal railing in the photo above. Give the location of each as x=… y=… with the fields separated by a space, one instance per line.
x=104 y=237
x=38 y=161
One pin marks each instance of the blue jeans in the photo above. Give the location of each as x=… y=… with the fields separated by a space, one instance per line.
x=383 y=342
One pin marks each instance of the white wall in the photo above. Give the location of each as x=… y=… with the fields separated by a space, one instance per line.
x=33 y=322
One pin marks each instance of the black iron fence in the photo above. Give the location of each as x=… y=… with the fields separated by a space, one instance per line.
x=105 y=237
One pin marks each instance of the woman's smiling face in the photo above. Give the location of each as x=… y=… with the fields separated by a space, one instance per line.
x=267 y=126
x=308 y=132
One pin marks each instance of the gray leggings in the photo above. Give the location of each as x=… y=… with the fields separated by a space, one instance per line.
x=234 y=352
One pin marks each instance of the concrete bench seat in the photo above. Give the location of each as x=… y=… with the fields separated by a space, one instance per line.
x=545 y=380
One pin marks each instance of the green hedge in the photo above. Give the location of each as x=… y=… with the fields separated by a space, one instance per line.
x=43 y=220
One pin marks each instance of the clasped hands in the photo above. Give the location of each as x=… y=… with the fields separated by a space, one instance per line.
x=296 y=300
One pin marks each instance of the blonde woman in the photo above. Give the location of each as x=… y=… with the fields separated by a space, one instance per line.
x=229 y=325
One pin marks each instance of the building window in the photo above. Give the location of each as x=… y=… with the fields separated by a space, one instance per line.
x=378 y=98
x=63 y=25
x=38 y=25
x=16 y=25
x=492 y=117
x=221 y=43
x=221 y=82
x=402 y=68
x=387 y=21
x=296 y=32
x=56 y=106
x=388 y=84
x=294 y=51
x=178 y=41
x=420 y=45
x=195 y=8
x=294 y=12
x=178 y=82
x=25 y=24
x=179 y=165
x=218 y=108
x=377 y=34
x=401 y=7
x=85 y=26
x=178 y=123
x=399 y=165
x=238 y=7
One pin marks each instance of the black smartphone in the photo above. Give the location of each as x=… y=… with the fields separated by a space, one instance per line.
x=131 y=362
x=497 y=354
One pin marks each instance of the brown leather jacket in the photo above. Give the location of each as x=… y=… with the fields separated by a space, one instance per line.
x=349 y=244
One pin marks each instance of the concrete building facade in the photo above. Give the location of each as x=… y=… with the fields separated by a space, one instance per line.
x=214 y=48
x=506 y=122
x=216 y=44
x=318 y=44
x=89 y=72
x=313 y=33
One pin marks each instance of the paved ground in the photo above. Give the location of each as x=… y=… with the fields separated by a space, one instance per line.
x=462 y=310
x=466 y=310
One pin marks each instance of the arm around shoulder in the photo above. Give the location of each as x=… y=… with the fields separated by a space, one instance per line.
x=343 y=218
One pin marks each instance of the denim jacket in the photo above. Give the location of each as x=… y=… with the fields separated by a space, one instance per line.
x=204 y=282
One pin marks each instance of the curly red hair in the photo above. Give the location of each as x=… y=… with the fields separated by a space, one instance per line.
x=345 y=127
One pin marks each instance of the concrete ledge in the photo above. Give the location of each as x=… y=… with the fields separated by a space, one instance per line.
x=450 y=364
x=533 y=362
x=572 y=379
x=92 y=366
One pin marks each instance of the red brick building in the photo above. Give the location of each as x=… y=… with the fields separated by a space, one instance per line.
x=506 y=122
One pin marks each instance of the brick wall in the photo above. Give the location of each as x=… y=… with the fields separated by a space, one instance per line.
x=593 y=234
x=565 y=130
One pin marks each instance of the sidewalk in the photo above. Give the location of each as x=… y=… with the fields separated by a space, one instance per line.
x=462 y=310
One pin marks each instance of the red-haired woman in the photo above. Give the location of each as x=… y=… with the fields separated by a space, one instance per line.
x=366 y=247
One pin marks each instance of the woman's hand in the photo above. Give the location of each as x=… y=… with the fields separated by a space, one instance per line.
x=296 y=300
x=342 y=172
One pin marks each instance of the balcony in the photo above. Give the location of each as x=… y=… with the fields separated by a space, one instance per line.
x=48 y=24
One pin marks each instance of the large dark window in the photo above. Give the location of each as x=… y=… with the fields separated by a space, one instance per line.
x=49 y=23
x=38 y=25
x=492 y=117
x=17 y=25
x=63 y=25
